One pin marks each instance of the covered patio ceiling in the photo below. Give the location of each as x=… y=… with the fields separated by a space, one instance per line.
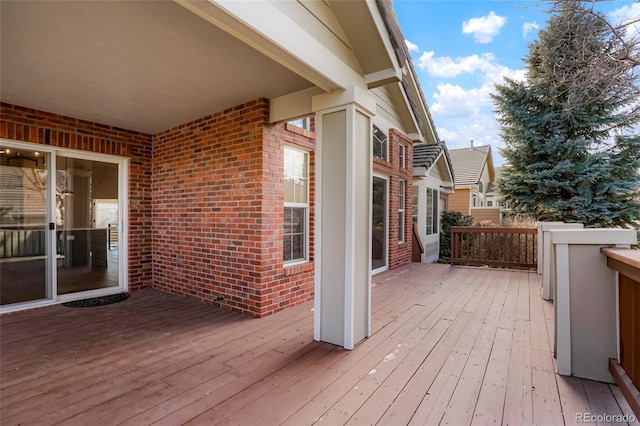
x=144 y=66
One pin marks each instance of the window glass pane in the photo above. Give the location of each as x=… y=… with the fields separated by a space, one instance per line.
x=436 y=213
x=402 y=160
x=401 y=226
x=429 y=211
x=297 y=247
x=380 y=143
x=414 y=213
x=287 y=248
x=287 y=220
x=294 y=233
x=297 y=220
x=295 y=176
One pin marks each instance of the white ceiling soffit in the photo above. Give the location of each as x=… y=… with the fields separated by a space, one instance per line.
x=145 y=66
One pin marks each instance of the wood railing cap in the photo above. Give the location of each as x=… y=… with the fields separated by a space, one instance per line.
x=626 y=256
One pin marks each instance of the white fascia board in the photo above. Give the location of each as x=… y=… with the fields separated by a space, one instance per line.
x=420 y=171
x=443 y=158
x=416 y=137
x=385 y=36
x=414 y=119
x=270 y=31
x=394 y=73
x=292 y=106
x=593 y=236
x=431 y=137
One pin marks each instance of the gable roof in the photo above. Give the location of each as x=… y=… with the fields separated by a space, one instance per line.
x=425 y=155
x=492 y=186
x=469 y=163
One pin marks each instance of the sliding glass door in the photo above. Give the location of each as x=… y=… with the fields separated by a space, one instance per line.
x=61 y=225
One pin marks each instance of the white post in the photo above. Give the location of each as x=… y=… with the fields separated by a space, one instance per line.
x=342 y=311
x=548 y=272
x=585 y=300
x=540 y=248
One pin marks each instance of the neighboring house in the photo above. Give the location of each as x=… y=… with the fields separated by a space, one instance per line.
x=474 y=172
x=432 y=184
x=492 y=197
x=189 y=120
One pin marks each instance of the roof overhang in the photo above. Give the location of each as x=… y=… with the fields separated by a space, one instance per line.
x=144 y=66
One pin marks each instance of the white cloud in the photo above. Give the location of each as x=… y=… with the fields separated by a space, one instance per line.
x=482 y=129
x=411 y=46
x=454 y=101
x=529 y=27
x=484 y=28
x=485 y=64
x=626 y=14
x=445 y=66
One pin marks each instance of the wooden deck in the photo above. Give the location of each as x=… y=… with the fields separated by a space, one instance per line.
x=451 y=346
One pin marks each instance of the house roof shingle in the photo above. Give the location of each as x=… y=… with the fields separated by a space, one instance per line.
x=469 y=163
x=425 y=155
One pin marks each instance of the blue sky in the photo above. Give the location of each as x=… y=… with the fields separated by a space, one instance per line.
x=460 y=49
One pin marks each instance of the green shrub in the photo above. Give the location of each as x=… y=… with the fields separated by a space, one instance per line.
x=449 y=219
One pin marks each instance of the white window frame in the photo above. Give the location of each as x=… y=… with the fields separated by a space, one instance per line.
x=295 y=205
x=401 y=208
x=402 y=152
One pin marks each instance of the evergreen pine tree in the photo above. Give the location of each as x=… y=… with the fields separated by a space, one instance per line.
x=570 y=128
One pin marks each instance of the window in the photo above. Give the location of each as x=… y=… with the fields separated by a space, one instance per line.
x=296 y=204
x=403 y=163
x=414 y=213
x=432 y=211
x=489 y=203
x=380 y=144
x=480 y=187
x=304 y=123
x=401 y=211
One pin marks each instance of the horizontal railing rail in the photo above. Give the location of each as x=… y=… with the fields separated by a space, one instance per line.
x=626 y=370
x=496 y=247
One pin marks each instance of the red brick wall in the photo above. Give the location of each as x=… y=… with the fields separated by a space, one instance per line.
x=399 y=253
x=28 y=125
x=218 y=193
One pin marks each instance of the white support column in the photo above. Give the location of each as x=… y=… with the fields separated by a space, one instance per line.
x=343 y=216
x=546 y=249
x=585 y=300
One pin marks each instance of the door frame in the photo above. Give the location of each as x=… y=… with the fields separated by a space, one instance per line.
x=123 y=223
x=387 y=179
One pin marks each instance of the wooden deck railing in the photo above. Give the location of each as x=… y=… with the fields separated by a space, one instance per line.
x=22 y=242
x=626 y=370
x=498 y=247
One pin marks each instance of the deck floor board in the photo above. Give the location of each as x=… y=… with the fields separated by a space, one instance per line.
x=450 y=346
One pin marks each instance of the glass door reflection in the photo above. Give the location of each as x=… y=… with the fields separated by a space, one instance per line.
x=379 y=224
x=86 y=222
x=24 y=244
